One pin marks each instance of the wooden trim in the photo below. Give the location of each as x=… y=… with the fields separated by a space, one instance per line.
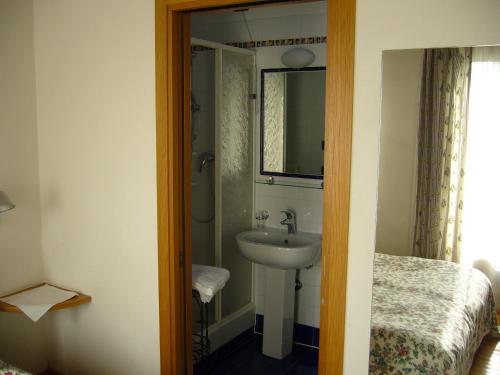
x=193 y=5
x=336 y=195
x=256 y=4
x=77 y=300
x=186 y=45
x=170 y=189
x=162 y=182
x=172 y=115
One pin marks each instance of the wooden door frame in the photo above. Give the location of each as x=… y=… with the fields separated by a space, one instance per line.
x=173 y=185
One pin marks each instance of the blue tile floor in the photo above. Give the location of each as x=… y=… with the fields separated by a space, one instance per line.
x=243 y=355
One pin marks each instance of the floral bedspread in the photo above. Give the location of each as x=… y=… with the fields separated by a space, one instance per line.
x=428 y=317
x=6 y=369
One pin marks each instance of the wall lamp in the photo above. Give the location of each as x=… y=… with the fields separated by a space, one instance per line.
x=5 y=203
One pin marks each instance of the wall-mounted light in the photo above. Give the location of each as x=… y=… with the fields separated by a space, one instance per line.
x=298 y=58
x=5 y=203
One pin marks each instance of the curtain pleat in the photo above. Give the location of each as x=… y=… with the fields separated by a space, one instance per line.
x=441 y=153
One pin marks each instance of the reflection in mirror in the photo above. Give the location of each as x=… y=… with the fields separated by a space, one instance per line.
x=292 y=122
x=437 y=262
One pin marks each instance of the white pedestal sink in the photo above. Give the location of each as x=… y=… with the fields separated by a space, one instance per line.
x=283 y=254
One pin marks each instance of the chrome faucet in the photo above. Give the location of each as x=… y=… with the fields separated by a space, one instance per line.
x=290 y=221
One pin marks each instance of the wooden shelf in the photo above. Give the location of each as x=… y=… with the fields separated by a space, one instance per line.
x=77 y=300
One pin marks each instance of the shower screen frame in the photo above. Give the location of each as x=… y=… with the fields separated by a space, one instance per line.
x=220 y=50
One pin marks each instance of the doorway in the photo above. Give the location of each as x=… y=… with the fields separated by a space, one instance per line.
x=173 y=146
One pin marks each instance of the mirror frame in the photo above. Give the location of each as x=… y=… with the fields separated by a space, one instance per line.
x=261 y=127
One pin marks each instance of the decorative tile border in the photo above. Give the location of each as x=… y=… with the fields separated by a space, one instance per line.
x=302 y=334
x=279 y=42
x=198 y=48
x=269 y=43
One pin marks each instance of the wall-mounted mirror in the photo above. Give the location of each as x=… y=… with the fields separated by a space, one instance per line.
x=292 y=122
x=437 y=264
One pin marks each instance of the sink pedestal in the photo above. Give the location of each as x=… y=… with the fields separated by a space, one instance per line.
x=282 y=253
x=279 y=312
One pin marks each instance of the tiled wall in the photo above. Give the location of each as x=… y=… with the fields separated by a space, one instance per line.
x=308 y=205
x=202 y=184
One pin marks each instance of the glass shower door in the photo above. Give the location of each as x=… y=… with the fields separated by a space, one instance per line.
x=222 y=110
x=234 y=173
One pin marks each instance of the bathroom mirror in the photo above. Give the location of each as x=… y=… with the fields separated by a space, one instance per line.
x=292 y=122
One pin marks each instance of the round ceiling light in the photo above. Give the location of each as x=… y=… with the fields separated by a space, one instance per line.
x=298 y=58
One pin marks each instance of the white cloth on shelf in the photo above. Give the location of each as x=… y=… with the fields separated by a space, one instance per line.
x=36 y=302
x=209 y=280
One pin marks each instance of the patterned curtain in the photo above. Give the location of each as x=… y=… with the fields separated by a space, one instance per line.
x=441 y=153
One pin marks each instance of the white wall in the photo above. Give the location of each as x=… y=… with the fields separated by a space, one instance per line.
x=397 y=181
x=22 y=342
x=382 y=25
x=96 y=125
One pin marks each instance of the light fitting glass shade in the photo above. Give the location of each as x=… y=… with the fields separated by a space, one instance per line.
x=5 y=203
x=298 y=58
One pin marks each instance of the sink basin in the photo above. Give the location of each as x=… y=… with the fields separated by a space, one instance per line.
x=276 y=248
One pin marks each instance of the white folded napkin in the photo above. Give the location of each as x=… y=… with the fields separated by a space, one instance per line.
x=36 y=302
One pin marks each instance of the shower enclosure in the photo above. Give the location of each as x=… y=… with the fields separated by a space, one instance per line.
x=222 y=110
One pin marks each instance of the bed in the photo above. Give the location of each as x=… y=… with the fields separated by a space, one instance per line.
x=6 y=369
x=428 y=317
